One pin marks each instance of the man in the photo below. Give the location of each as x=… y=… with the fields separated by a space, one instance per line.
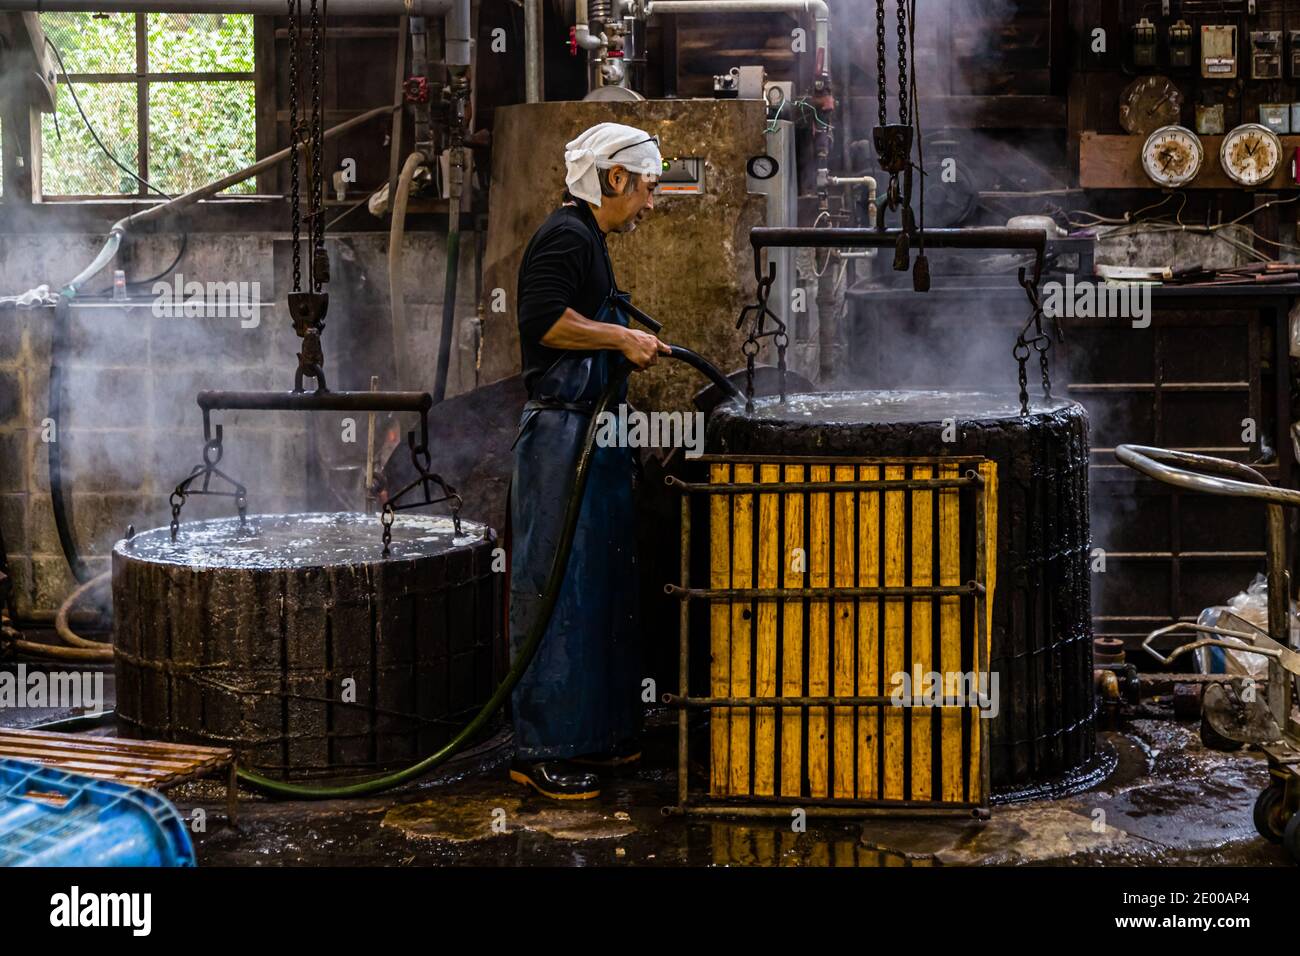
x=578 y=705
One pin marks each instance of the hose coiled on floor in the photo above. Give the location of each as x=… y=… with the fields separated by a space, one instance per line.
x=559 y=563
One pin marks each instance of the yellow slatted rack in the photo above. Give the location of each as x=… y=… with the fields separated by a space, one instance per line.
x=829 y=579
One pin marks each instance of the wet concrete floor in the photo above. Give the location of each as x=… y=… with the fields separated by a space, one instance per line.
x=1169 y=801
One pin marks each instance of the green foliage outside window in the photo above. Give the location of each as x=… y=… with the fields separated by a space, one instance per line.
x=198 y=130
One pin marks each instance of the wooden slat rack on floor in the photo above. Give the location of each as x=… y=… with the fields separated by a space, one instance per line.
x=140 y=763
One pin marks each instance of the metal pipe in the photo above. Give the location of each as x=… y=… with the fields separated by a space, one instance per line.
x=275 y=159
x=119 y=228
x=759 y=594
x=684 y=660
x=842 y=700
x=730 y=488
x=533 y=78
x=850 y=809
x=211 y=401
x=818 y=8
x=456 y=33
x=582 y=29
x=810 y=237
x=447 y=333
x=1163 y=464
x=378 y=8
x=806 y=237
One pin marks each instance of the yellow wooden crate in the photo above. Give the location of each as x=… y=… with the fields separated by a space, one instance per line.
x=834 y=614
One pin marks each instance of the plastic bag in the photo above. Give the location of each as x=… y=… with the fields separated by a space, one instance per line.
x=1250 y=605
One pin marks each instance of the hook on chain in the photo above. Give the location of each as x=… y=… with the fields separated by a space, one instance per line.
x=213 y=449
x=422 y=460
x=758 y=329
x=1027 y=344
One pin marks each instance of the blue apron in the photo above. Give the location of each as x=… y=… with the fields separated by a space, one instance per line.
x=582 y=692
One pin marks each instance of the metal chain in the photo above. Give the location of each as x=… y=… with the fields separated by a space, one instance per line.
x=1021 y=353
x=386 y=519
x=902 y=63
x=881 y=80
x=294 y=188
x=177 y=501
x=781 y=340
x=1041 y=343
x=750 y=350
x=1043 y=366
x=758 y=331
x=316 y=184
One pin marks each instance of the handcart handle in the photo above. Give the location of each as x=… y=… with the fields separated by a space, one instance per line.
x=1244 y=646
x=1163 y=464
x=1187 y=471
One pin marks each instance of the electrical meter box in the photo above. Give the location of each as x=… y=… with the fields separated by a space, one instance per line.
x=1180 y=45
x=1144 y=43
x=1219 y=52
x=1293 y=41
x=1266 y=55
x=1276 y=116
x=1209 y=120
x=682 y=176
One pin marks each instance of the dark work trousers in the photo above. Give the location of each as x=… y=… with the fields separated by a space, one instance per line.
x=582 y=692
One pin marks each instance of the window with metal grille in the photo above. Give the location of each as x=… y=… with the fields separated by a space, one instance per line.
x=169 y=95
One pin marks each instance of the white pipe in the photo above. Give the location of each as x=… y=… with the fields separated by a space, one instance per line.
x=819 y=10
x=870 y=183
x=396 y=275
x=378 y=8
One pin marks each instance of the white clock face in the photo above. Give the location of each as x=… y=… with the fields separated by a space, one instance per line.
x=1250 y=154
x=1172 y=156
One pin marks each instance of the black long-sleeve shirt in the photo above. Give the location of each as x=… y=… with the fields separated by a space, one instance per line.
x=564 y=266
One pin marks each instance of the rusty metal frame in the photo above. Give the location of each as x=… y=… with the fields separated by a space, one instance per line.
x=689 y=804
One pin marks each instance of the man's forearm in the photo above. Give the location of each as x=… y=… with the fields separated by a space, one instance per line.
x=573 y=331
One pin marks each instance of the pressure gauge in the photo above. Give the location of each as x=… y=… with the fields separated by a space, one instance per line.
x=1172 y=156
x=762 y=167
x=1250 y=154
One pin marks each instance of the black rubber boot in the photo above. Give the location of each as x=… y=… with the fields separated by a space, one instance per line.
x=557 y=779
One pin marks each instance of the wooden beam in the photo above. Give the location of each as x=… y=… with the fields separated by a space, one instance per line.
x=1108 y=161
x=264 y=99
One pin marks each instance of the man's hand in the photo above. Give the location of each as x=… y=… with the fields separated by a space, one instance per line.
x=573 y=331
x=642 y=348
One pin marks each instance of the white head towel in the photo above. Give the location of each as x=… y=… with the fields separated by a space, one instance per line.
x=604 y=146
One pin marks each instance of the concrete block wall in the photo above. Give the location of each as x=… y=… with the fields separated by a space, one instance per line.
x=131 y=429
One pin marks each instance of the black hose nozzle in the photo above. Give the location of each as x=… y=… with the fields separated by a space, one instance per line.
x=707 y=369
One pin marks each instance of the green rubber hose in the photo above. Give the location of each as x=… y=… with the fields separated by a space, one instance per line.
x=559 y=564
